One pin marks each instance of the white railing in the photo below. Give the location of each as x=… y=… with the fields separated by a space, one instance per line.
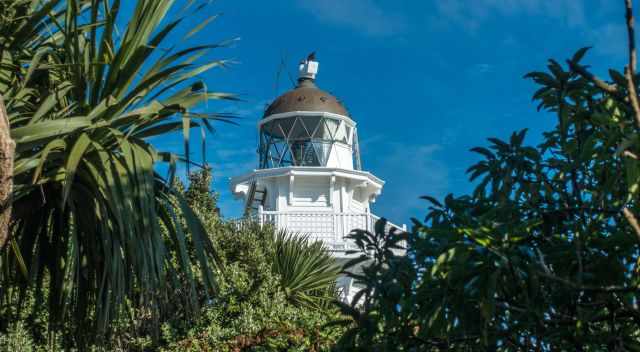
x=330 y=228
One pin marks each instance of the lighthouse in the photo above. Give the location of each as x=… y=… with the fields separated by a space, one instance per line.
x=309 y=178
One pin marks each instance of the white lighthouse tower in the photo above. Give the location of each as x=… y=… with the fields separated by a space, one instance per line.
x=309 y=178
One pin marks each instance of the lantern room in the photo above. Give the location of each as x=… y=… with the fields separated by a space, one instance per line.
x=308 y=127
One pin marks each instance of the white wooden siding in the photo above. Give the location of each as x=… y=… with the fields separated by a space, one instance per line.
x=311 y=191
x=356 y=206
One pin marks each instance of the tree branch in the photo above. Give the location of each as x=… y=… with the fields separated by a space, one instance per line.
x=630 y=73
x=630 y=70
x=630 y=154
x=608 y=289
x=7 y=149
x=608 y=88
x=633 y=95
x=631 y=37
x=631 y=219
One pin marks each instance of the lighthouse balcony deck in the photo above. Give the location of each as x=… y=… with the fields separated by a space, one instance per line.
x=329 y=227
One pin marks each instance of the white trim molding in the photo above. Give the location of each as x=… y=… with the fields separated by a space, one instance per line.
x=283 y=115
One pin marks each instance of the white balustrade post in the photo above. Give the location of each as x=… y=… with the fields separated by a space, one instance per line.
x=261 y=215
x=367 y=220
x=345 y=229
x=335 y=227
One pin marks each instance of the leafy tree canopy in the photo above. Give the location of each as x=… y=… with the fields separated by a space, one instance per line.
x=544 y=254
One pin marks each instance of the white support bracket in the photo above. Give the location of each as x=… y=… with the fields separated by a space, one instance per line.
x=332 y=183
x=290 y=197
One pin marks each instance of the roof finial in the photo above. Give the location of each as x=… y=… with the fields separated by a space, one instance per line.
x=312 y=56
x=308 y=68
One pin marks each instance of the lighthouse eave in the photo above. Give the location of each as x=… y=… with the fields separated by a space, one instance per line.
x=239 y=184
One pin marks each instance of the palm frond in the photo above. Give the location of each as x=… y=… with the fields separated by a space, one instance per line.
x=308 y=273
x=92 y=217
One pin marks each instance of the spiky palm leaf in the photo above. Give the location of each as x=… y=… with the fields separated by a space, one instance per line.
x=308 y=273
x=88 y=206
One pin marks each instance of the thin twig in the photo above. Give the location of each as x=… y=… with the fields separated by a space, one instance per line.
x=630 y=73
x=630 y=70
x=631 y=219
x=630 y=155
x=631 y=37
x=609 y=289
x=633 y=95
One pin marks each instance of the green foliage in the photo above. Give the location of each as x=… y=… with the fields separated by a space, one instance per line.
x=17 y=339
x=379 y=316
x=252 y=310
x=201 y=199
x=89 y=209
x=540 y=256
x=262 y=303
x=307 y=271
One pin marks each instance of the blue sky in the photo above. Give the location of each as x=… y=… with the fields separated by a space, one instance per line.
x=425 y=80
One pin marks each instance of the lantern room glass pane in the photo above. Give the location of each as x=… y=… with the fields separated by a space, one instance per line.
x=341 y=133
x=304 y=154
x=271 y=128
x=286 y=158
x=312 y=123
x=320 y=131
x=323 y=149
x=310 y=158
x=297 y=151
x=332 y=127
x=326 y=130
x=285 y=126
x=298 y=131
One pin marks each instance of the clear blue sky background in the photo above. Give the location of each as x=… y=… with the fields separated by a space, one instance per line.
x=425 y=80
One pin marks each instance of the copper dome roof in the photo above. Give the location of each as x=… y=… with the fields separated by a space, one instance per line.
x=306 y=97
